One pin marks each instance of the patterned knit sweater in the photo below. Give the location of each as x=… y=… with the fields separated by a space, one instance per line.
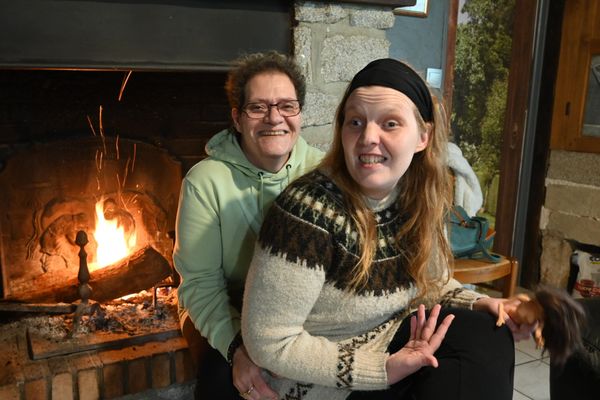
x=299 y=319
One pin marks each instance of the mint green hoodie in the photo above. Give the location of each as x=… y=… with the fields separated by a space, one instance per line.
x=221 y=207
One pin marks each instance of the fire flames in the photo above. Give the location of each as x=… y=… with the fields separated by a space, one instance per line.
x=113 y=241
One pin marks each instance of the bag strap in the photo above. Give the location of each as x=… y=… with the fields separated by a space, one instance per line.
x=490 y=256
x=463 y=219
x=480 y=242
x=461 y=215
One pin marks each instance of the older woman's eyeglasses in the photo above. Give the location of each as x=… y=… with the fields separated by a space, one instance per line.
x=286 y=108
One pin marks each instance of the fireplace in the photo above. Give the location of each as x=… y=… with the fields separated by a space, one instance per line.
x=99 y=121
x=83 y=145
x=78 y=146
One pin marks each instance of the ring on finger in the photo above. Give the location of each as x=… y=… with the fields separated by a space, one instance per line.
x=247 y=392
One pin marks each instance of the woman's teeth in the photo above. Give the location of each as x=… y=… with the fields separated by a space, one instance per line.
x=273 y=133
x=371 y=159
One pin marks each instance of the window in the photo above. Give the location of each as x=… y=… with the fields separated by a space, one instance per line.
x=575 y=120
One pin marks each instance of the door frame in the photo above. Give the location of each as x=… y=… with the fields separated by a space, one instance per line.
x=526 y=134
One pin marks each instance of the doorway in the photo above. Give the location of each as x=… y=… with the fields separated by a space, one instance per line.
x=521 y=139
x=482 y=64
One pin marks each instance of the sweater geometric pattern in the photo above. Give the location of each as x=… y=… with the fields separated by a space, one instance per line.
x=336 y=251
x=346 y=356
x=300 y=319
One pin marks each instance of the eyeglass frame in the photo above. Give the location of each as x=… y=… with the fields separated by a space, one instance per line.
x=269 y=106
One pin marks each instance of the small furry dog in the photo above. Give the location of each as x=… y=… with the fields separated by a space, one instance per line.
x=560 y=320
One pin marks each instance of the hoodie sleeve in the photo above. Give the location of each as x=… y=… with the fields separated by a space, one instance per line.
x=197 y=257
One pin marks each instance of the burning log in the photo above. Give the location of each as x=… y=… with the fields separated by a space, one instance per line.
x=139 y=271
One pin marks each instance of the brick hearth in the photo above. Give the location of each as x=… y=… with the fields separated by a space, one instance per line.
x=92 y=375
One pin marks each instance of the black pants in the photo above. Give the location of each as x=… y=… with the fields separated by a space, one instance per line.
x=476 y=361
x=213 y=372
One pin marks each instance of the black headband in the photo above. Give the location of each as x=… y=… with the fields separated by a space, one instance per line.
x=399 y=76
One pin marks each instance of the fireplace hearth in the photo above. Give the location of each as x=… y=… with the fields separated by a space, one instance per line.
x=68 y=145
x=134 y=320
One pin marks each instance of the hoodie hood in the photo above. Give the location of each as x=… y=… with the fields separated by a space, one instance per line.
x=225 y=146
x=261 y=187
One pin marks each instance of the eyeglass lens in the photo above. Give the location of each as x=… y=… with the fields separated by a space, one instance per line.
x=287 y=108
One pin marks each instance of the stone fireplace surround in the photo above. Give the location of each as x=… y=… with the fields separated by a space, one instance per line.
x=58 y=113
x=47 y=106
x=331 y=41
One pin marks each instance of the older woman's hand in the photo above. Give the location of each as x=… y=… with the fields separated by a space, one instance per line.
x=247 y=377
x=492 y=305
x=424 y=340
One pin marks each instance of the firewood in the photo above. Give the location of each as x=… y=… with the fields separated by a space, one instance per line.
x=141 y=270
x=59 y=308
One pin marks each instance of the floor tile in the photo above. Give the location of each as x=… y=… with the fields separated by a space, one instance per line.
x=528 y=347
x=532 y=379
x=546 y=360
x=522 y=358
x=519 y=396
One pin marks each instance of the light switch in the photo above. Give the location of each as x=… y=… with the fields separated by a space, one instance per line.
x=434 y=77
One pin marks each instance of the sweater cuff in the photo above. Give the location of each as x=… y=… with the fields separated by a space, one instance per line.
x=461 y=298
x=369 y=370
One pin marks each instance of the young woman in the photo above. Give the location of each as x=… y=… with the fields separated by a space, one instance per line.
x=349 y=251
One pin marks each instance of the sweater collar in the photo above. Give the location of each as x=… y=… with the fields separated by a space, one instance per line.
x=381 y=204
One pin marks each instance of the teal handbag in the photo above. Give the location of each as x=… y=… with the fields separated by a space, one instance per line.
x=470 y=237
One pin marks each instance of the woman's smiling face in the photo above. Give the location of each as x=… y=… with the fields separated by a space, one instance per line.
x=267 y=142
x=380 y=135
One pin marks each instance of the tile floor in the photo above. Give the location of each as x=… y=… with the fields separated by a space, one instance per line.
x=532 y=372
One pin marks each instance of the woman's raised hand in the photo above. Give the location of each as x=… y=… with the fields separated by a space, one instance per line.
x=424 y=340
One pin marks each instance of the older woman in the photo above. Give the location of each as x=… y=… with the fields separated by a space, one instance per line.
x=223 y=199
x=348 y=251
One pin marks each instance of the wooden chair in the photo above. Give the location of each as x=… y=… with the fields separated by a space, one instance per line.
x=479 y=271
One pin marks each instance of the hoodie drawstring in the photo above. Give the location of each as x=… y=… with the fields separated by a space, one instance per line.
x=288 y=167
x=260 y=195
x=283 y=183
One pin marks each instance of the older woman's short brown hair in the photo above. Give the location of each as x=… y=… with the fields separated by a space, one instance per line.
x=248 y=66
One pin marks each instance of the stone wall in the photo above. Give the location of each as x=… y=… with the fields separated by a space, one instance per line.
x=332 y=42
x=571 y=214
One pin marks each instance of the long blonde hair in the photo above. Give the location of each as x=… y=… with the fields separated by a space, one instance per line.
x=424 y=195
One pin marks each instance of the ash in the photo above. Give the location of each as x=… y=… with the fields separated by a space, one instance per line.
x=131 y=315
